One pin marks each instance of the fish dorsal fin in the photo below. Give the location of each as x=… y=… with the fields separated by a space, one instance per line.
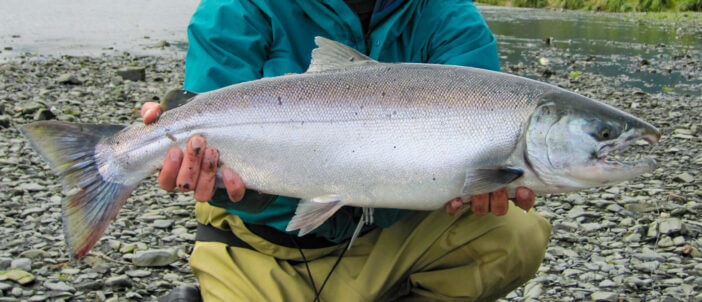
x=332 y=55
x=176 y=98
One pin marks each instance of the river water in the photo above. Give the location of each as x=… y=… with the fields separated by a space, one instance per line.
x=639 y=54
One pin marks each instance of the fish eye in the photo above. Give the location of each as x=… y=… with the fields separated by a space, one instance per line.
x=602 y=131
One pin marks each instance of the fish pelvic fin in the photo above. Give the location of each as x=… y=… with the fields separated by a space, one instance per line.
x=331 y=55
x=311 y=213
x=91 y=202
x=484 y=180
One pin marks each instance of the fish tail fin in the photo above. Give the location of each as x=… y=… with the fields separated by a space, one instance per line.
x=91 y=201
x=310 y=214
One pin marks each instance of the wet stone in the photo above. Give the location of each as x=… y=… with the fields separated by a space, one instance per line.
x=132 y=73
x=24 y=264
x=604 y=296
x=59 y=286
x=160 y=257
x=118 y=281
x=19 y=276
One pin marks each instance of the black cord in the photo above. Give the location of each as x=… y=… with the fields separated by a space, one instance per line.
x=332 y=270
x=309 y=273
x=317 y=293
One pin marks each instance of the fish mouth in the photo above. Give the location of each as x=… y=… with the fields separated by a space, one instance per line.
x=627 y=152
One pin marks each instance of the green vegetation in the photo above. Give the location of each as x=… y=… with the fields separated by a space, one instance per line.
x=606 y=5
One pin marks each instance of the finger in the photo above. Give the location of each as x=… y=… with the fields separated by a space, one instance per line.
x=190 y=168
x=169 y=171
x=524 y=198
x=232 y=181
x=147 y=106
x=454 y=206
x=480 y=204
x=498 y=202
x=152 y=115
x=205 y=188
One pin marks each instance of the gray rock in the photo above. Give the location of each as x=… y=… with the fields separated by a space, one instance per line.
x=159 y=257
x=607 y=283
x=665 y=241
x=4 y=121
x=58 y=286
x=132 y=73
x=162 y=223
x=670 y=226
x=5 y=263
x=118 y=281
x=648 y=267
x=139 y=273
x=29 y=107
x=684 y=178
x=635 y=237
x=90 y=285
x=24 y=264
x=34 y=254
x=44 y=115
x=19 y=276
x=68 y=78
x=604 y=296
x=5 y=286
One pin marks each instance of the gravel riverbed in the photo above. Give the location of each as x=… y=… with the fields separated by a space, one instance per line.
x=637 y=241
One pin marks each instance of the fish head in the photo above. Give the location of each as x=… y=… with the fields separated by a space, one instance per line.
x=570 y=138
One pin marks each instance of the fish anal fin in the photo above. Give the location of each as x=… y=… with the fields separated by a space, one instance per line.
x=484 y=180
x=311 y=213
x=332 y=55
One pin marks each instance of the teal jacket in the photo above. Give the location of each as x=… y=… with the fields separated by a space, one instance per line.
x=242 y=40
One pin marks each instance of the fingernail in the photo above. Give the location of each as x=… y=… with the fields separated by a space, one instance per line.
x=174 y=155
x=197 y=144
x=227 y=174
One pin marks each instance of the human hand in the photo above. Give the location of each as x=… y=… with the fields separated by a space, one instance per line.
x=493 y=202
x=196 y=170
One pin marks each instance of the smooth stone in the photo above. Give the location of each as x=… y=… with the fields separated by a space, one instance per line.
x=118 y=281
x=684 y=178
x=90 y=285
x=139 y=273
x=162 y=223
x=132 y=73
x=670 y=226
x=34 y=253
x=19 y=276
x=68 y=78
x=159 y=257
x=24 y=264
x=604 y=296
x=59 y=286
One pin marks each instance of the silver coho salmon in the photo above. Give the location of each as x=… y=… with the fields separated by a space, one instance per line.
x=353 y=131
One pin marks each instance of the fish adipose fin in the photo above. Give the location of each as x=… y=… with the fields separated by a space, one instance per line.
x=176 y=98
x=91 y=202
x=332 y=55
x=484 y=180
x=310 y=214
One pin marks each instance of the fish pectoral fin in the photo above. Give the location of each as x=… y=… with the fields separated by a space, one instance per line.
x=484 y=180
x=332 y=55
x=176 y=98
x=311 y=213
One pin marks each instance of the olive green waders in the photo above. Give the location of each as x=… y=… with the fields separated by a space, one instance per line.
x=426 y=256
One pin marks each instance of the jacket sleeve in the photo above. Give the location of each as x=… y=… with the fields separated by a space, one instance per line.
x=461 y=36
x=227 y=44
